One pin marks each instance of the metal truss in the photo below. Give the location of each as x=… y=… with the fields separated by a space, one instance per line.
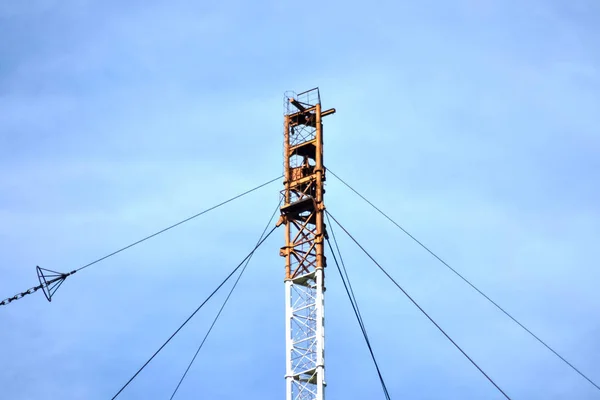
x=302 y=214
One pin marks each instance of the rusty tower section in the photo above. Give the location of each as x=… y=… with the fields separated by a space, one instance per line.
x=302 y=213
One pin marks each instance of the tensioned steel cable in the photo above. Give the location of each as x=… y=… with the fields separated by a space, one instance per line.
x=179 y=223
x=194 y=313
x=468 y=282
x=418 y=306
x=354 y=303
x=224 y=304
x=58 y=278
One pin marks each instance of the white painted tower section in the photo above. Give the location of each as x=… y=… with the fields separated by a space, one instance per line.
x=305 y=378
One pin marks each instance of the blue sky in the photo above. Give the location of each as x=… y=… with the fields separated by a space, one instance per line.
x=473 y=123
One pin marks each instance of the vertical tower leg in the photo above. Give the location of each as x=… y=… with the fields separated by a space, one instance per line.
x=302 y=214
x=289 y=346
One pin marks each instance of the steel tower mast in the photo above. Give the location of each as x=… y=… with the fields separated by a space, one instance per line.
x=302 y=214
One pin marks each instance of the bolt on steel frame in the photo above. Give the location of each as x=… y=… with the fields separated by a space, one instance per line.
x=302 y=213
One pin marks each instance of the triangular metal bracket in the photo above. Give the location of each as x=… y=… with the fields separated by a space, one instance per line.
x=50 y=281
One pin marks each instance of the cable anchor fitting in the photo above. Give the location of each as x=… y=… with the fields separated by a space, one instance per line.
x=50 y=280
